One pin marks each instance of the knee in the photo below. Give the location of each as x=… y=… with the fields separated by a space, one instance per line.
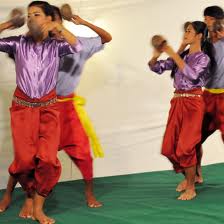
x=21 y=166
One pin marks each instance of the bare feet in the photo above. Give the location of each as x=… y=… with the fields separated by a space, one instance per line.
x=39 y=216
x=183 y=184
x=27 y=209
x=5 y=202
x=90 y=198
x=92 y=202
x=199 y=180
x=189 y=194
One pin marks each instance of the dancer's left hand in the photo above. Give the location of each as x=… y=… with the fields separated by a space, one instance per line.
x=77 y=20
x=220 y=34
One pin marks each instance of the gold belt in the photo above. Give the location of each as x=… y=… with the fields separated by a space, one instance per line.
x=186 y=95
x=33 y=104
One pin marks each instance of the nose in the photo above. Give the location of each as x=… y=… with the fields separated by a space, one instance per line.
x=30 y=19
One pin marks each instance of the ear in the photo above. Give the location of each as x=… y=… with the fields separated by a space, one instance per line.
x=200 y=35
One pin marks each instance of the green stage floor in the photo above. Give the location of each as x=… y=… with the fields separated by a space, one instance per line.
x=133 y=199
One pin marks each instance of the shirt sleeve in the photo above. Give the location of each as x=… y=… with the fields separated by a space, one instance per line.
x=162 y=65
x=8 y=44
x=65 y=48
x=91 y=45
x=193 y=70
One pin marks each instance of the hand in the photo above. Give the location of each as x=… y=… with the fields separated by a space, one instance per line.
x=51 y=26
x=184 y=44
x=168 y=49
x=158 y=42
x=77 y=20
x=6 y=25
x=220 y=34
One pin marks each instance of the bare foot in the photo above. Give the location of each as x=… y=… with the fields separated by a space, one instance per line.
x=42 y=218
x=92 y=202
x=199 y=180
x=182 y=186
x=5 y=202
x=189 y=194
x=27 y=209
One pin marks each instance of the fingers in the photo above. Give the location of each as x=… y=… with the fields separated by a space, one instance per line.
x=76 y=19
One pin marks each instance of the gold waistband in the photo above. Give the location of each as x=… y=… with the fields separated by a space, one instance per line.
x=33 y=104
x=186 y=95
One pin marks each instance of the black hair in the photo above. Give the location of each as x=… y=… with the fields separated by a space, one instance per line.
x=214 y=11
x=45 y=6
x=57 y=12
x=206 y=45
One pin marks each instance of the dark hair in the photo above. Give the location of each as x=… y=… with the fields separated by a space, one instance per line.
x=206 y=45
x=214 y=11
x=45 y=6
x=57 y=12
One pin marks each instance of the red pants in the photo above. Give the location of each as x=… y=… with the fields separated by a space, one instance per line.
x=36 y=134
x=74 y=140
x=183 y=130
x=214 y=114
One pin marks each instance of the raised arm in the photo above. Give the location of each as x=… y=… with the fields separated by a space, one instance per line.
x=5 y=26
x=160 y=66
x=104 y=35
x=67 y=35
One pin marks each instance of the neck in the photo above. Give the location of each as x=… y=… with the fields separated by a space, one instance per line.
x=40 y=38
x=213 y=37
x=194 y=47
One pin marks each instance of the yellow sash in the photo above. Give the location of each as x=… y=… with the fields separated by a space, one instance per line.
x=79 y=103
x=215 y=91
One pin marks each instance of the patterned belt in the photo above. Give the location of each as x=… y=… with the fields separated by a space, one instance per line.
x=186 y=95
x=33 y=104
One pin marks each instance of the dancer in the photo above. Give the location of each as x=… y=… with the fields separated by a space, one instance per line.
x=74 y=139
x=183 y=130
x=34 y=111
x=213 y=94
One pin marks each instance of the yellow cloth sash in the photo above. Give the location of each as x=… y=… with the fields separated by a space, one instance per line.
x=79 y=103
x=215 y=91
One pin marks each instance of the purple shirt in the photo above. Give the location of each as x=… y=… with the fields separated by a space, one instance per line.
x=36 y=64
x=192 y=76
x=216 y=79
x=71 y=66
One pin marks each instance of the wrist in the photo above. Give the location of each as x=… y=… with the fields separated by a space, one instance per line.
x=84 y=22
x=7 y=25
x=155 y=57
x=60 y=28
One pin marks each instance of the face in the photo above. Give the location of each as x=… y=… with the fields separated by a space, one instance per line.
x=190 y=35
x=36 y=17
x=209 y=21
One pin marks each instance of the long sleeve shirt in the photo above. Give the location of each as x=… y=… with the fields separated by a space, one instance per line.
x=37 y=64
x=192 y=76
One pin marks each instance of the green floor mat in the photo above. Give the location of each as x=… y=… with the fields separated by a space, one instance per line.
x=133 y=199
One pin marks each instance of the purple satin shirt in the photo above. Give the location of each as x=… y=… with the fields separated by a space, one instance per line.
x=36 y=64
x=192 y=76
